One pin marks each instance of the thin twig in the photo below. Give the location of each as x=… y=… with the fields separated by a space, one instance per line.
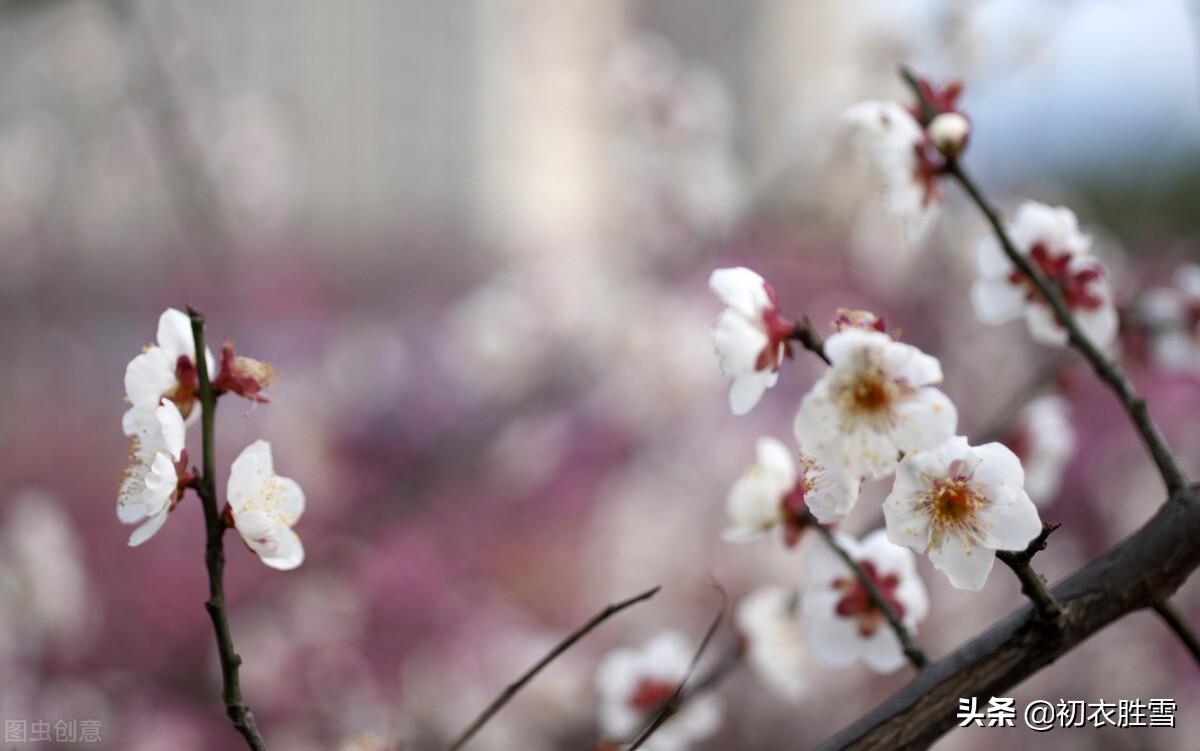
x=1175 y=621
x=214 y=554
x=907 y=643
x=561 y=647
x=672 y=705
x=1032 y=584
x=810 y=339
x=1107 y=370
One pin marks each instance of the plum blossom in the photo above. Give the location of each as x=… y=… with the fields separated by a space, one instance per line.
x=750 y=336
x=1172 y=318
x=844 y=624
x=168 y=368
x=774 y=492
x=768 y=620
x=877 y=399
x=633 y=683
x=961 y=503
x=265 y=507
x=1044 y=440
x=1050 y=238
x=905 y=161
x=156 y=471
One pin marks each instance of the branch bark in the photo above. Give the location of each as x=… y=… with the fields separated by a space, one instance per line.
x=1032 y=584
x=508 y=693
x=1177 y=623
x=214 y=554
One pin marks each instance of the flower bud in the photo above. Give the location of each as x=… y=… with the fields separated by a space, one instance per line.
x=244 y=376
x=948 y=132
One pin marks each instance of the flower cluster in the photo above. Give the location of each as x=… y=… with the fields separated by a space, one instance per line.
x=163 y=387
x=879 y=410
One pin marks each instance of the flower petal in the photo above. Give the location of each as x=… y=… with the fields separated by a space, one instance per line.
x=967 y=566
x=741 y=289
x=997 y=300
x=149 y=528
x=926 y=419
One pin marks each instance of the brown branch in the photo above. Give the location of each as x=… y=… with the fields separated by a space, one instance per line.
x=1175 y=621
x=911 y=650
x=1032 y=584
x=1106 y=369
x=214 y=554
x=508 y=693
x=1139 y=573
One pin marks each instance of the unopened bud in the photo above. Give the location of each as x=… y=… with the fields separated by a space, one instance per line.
x=948 y=132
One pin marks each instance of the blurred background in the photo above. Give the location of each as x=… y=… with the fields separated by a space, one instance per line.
x=474 y=238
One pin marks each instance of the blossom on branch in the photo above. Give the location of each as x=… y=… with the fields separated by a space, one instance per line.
x=877 y=399
x=768 y=620
x=750 y=336
x=1050 y=238
x=634 y=684
x=1044 y=440
x=774 y=492
x=265 y=507
x=844 y=624
x=168 y=368
x=961 y=503
x=1171 y=316
x=156 y=473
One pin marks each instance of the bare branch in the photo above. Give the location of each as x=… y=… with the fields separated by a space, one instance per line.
x=512 y=689
x=1175 y=621
x=1032 y=584
x=214 y=554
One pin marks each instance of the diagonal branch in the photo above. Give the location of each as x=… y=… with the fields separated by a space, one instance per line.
x=214 y=554
x=673 y=704
x=1176 y=622
x=1106 y=369
x=508 y=693
x=911 y=650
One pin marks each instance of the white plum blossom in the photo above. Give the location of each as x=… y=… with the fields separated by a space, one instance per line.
x=768 y=620
x=750 y=336
x=961 y=503
x=1050 y=238
x=265 y=507
x=773 y=492
x=633 y=683
x=156 y=468
x=877 y=399
x=899 y=150
x=844 y=624
x=1172 y=318
x=168 y=368
x=1044 y=440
